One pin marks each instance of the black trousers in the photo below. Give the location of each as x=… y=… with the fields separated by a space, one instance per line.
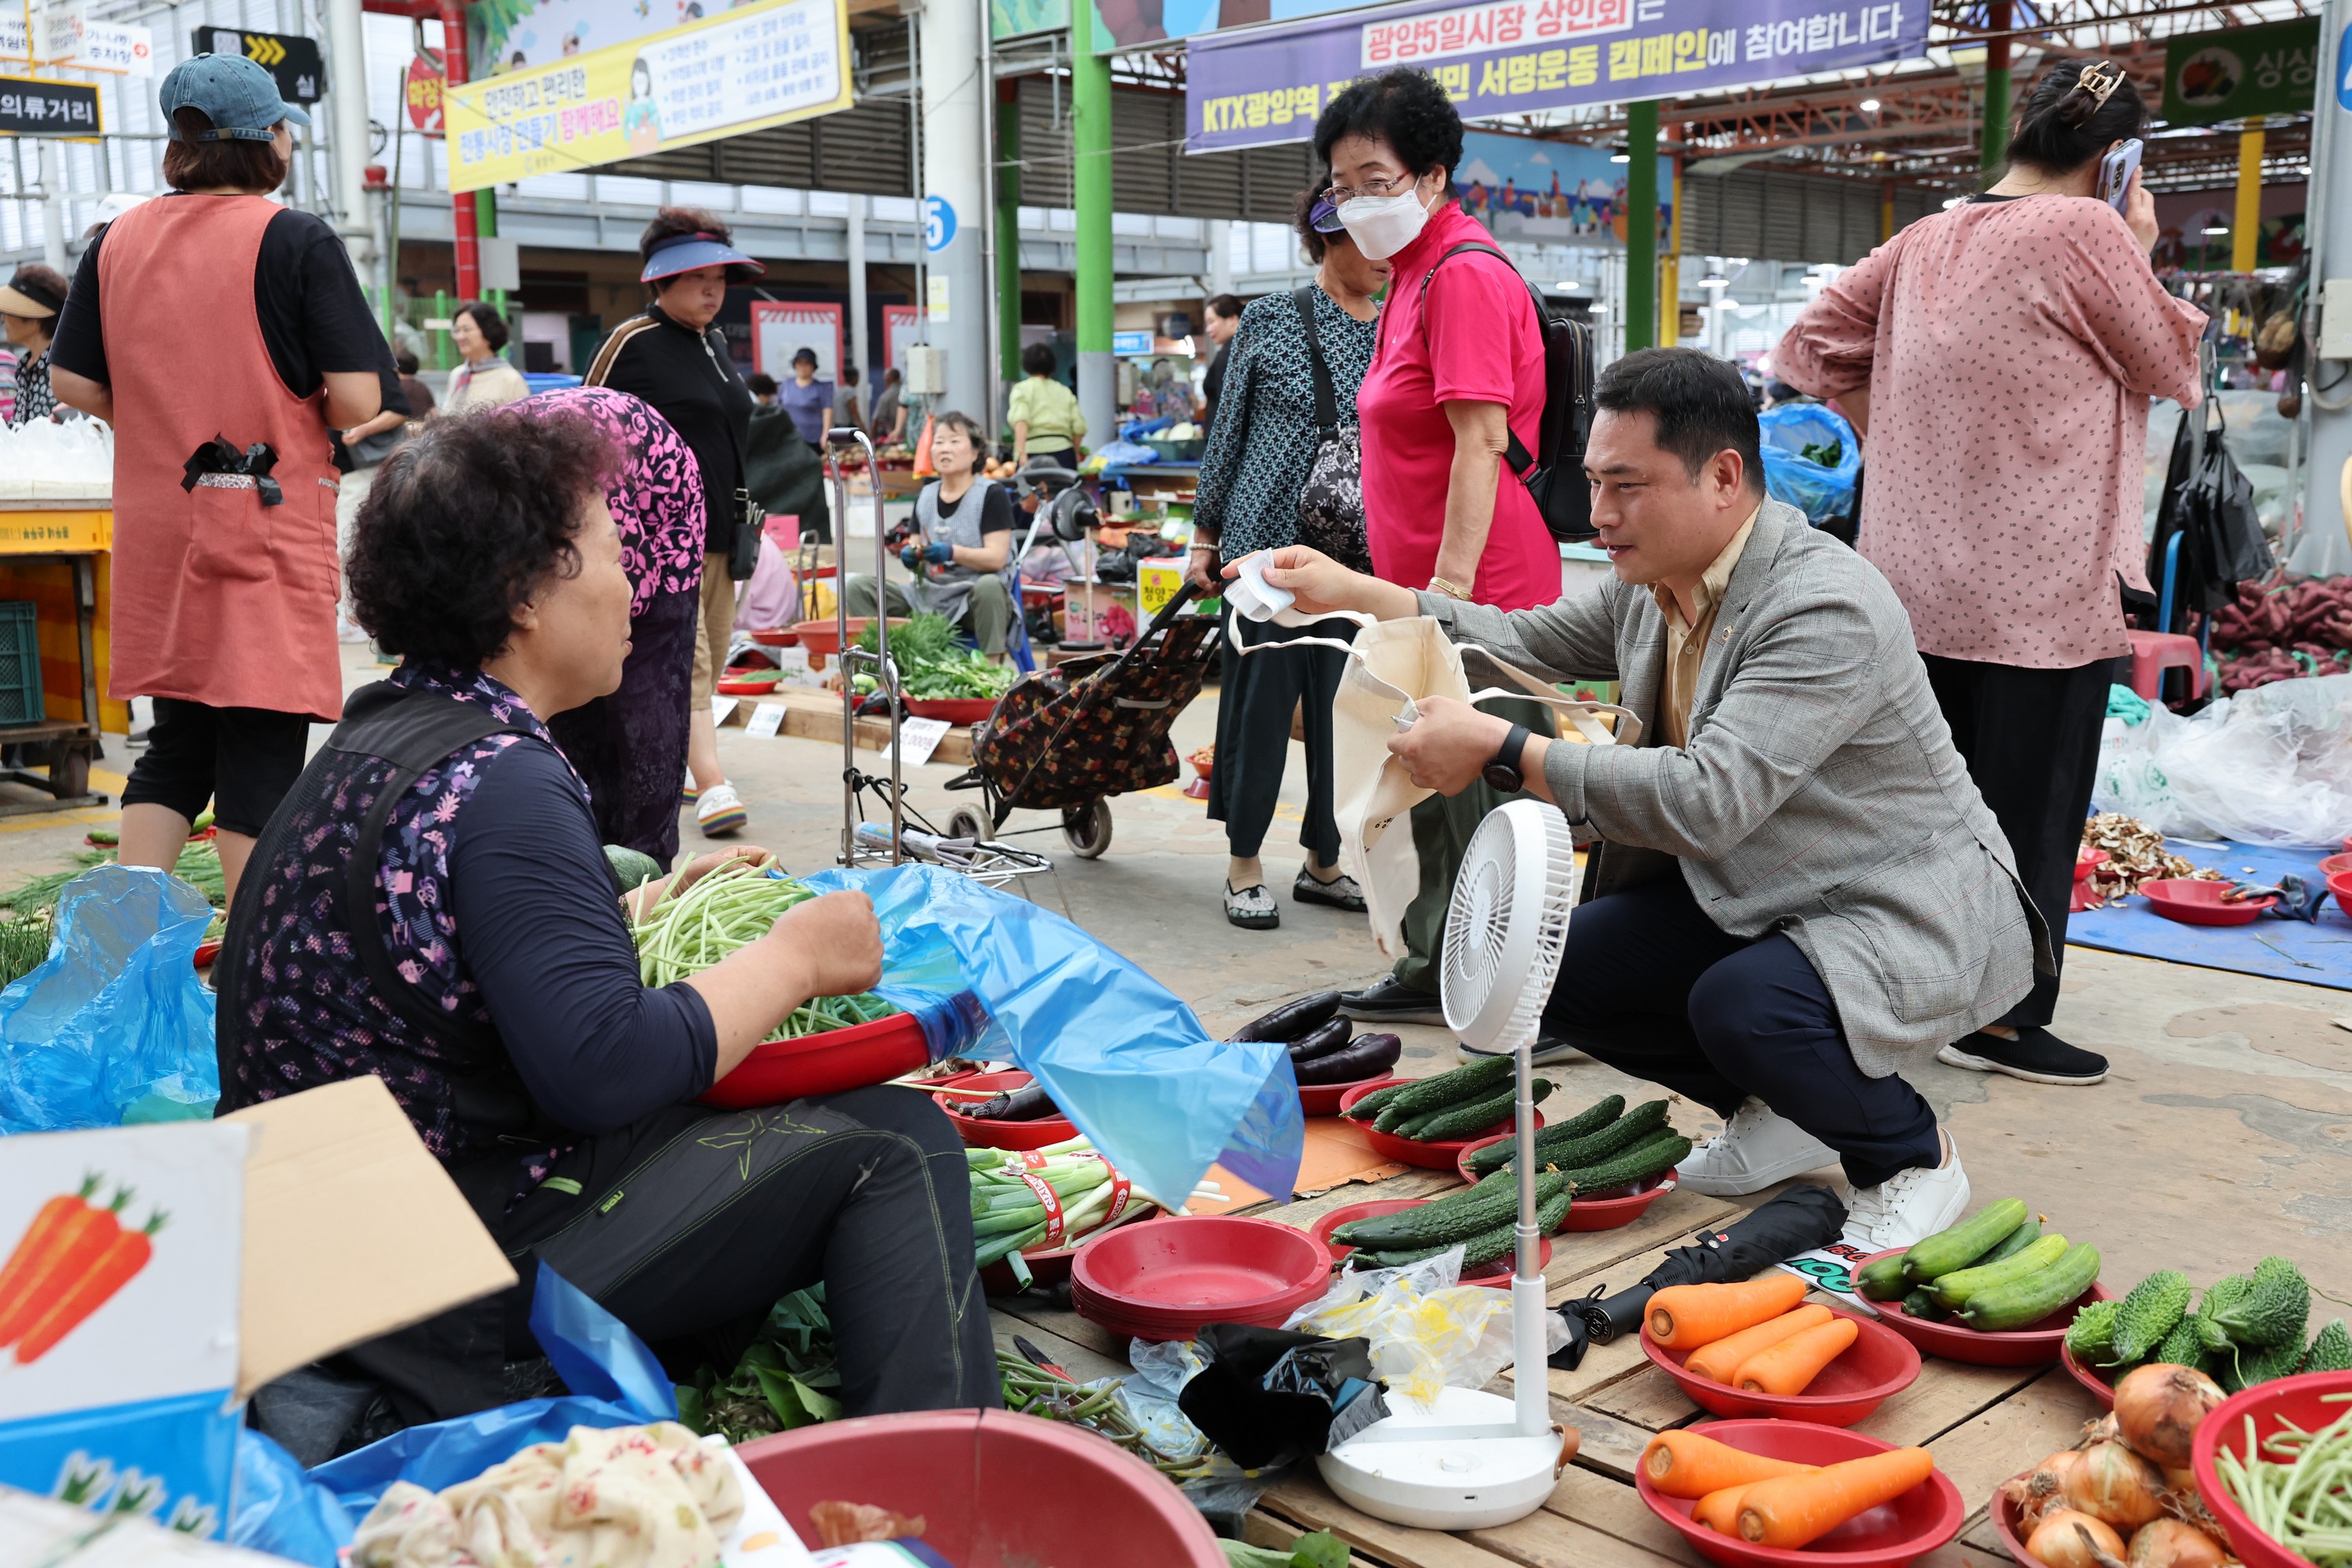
x=1651 y=987
x=242 y=759
x=2030 y=738
x=1254 y=709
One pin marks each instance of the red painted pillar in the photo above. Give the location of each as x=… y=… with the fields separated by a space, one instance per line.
x=453 y=56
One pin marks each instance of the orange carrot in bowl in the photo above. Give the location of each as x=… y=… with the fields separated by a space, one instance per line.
x=1719 y=1361
x=1791 y=1366
x=1794 y=1511
x=1684 y=1317
x=1685 y=1464
x=1720 y=1510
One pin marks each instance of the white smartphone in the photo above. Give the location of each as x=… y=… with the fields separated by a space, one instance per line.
x=2115 y=173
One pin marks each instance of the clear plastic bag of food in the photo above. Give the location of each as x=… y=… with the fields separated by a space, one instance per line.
x=1427 y=1331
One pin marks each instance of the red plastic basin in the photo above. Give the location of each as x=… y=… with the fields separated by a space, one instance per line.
x=1199 y=1268
x=2097 y=1387
x=1607 y=1212
x=829 y=1063
x=2340 y=884
x=1441 y=1156
x=2300 y=1399
x=1496 y=1272
x=2336 y=865
x=2037 y=1345
x=981 y=1134
x=2199 y=904
x=954 y=710
x=1878 y=1364
x=995 y=1490
x=2008 y=1524
x=1323 y=1099
x=1888 y=1536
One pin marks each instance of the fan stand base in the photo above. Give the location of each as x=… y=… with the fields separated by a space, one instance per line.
x=1453 y=1482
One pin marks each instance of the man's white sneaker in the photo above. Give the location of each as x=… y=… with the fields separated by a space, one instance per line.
x=1759 y=1147
x=1909 y=1205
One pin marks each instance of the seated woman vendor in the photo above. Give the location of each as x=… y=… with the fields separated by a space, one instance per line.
x=430 y=905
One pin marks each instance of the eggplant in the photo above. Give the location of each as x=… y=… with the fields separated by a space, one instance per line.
x=1292 y=1019
x=1368 y=1056
x=1027 y=1103
x=1321 y=1042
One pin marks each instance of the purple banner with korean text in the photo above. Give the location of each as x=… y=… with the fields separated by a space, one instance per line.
x=1260 y=85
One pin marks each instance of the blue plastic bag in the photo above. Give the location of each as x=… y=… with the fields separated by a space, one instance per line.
x=279 y=1510
x=113 y=1026
x=1821 y=491
x=1128 y=454
x=1128 y=1062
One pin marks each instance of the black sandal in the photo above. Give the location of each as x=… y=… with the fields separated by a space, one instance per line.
x=1341 y=892
x=1252 y=909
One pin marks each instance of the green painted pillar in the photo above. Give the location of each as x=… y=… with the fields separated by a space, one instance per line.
x=1642 y=225
x=1090 y=145
x=1996 y=89
x=1008 y=226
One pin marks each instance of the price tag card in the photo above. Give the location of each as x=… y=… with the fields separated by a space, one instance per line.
x=767 y=719
x=794 y=663
x=722 y=708
x=918 y=738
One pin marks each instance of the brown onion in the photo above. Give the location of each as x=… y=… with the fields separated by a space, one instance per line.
x=2157 y=1407
x=2042 y=1487
x=2169 y=1544
x=2115 y=1484
x=2070 y=1539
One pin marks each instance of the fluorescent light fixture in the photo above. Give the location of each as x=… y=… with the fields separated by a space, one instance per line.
x=2217 y=228
x=1869 y=106
x=1569 y=285
x=1621 y=157
x=1713 y=280
x=1736 y=260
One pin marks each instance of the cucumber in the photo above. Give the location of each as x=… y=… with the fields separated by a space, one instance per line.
x=1494 y=1241
x=1921 y=1303
x=1593 y=1119
x=1654 y=1157
x=1433 y=1227
x=1372 y=1104
x=1473 y=1080
x=1954 y=1289
x=1638 y=1125
x=1882 y=1279
x=1455 y=1122
x=2019 y=1303
x=1964 y=1243
x=2019 y=1240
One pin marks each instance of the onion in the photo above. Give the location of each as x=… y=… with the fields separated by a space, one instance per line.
x=2169 y=1544
x=2113 y=1483
x=2042 y=1487
x=2069 y=1539
x=2157 y=1407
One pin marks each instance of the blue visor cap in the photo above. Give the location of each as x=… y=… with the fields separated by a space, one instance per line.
x=234 y=93
x=1323 y=217
x=690 y=252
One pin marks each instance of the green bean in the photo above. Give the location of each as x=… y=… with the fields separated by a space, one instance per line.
x=728 y=910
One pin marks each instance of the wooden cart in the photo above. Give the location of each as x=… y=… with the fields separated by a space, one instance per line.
x=58 y=553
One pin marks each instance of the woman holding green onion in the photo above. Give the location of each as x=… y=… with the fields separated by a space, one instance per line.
x=483 y=965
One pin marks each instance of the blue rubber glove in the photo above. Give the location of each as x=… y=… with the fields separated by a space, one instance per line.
x=909 y=556
x=939 y=553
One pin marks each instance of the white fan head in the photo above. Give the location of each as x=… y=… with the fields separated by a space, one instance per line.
x=1506 y=923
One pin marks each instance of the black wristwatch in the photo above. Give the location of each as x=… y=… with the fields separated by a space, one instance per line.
x=1503 y=773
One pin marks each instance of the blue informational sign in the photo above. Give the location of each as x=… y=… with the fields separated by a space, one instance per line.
x=1131 y=342
x=938 y=222
x=2344 y=70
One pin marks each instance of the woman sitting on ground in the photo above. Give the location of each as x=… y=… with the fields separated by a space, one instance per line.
x=487 y=974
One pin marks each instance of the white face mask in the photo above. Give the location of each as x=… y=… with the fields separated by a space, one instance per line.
x=1383 y=226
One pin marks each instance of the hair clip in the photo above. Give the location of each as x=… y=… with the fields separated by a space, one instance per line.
x=2100 y=80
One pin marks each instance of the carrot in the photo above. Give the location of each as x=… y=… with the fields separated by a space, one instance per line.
x=46 y=1233
x=1684 y=1317
x=1797 y=1511
x=1685 y=1464
x=81 y=1237
x=1720 y=1510
x=1720 y=1360
x=124 y=1256
x=1791 y=1366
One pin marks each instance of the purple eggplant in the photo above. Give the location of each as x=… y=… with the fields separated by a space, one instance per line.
x=1027 y=1103
x=1292 y=1019
x=1321 y=1042
x=1369 y=1055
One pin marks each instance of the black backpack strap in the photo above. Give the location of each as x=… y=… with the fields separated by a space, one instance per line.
x=1521 y=460
x=1327 y=401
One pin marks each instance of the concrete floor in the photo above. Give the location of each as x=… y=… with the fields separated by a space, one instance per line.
x=2224 y=1131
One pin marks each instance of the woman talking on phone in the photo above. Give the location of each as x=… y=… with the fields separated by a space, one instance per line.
x=1997 y=358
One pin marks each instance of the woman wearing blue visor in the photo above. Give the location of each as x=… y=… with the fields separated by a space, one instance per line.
x=675 y=358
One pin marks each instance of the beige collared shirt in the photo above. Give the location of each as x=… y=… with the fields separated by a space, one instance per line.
x=1687 y=641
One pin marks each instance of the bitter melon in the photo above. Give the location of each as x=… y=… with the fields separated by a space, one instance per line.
x=2153 y=1310
x=2273 y=1310
x=2330 y=1351
x=2093 y=1332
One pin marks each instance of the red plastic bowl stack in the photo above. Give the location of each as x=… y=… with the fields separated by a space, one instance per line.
x=1166 y=1278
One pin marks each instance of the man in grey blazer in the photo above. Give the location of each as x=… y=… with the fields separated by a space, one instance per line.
x=1796 y=888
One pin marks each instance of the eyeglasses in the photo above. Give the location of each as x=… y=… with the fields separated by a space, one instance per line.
x=1375 y=189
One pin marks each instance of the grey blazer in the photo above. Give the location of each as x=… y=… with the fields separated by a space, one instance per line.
x=1820 y=795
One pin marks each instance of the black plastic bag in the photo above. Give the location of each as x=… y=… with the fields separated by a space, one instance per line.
x=2210 y=504
x=1269 y=1396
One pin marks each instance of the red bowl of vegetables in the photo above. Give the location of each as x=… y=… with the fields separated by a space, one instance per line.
x=1606 y=1211
x=2097 y=1387
x=1494 y=1271
x=829 y=1063
x=1879 y=1365
x=987 y=1133
x=2311 y=1401
x=954 y=710
x=1887 y=1536
x=2197 y=902
x=1436 y=1156
x=2037 y=1345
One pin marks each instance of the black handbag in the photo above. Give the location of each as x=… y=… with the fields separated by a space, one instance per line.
x=1331 y=504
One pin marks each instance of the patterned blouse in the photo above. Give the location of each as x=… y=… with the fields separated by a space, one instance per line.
x=655 y=496
x=34 y=398
x=1262 y=445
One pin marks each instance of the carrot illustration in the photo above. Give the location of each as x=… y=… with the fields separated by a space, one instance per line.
x=1797 y=1511
x=124 y=1256
x=1720 y=1360
x=1686 y=1464
x=1791 y=1366
x=46 y=1233
x=81 y=1235
x=1684 y=1317
x=1720 y=1510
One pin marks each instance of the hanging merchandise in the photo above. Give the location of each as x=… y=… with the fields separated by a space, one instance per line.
x=1812 y=460
x=2209 y=506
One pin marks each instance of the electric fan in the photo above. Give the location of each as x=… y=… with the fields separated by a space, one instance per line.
x=1470 y=1460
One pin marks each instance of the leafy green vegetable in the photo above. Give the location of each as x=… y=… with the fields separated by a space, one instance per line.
x=1828 y=454
x=925 y=638
x=24 y=946
x=790 y=1377
x=1320 y=1550
x=933 y=663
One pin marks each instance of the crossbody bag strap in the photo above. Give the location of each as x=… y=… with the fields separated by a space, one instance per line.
x=1520 y=458
x=1326 y=401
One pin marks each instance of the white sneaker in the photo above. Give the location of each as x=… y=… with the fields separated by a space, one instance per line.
x=1759 y=1147
x=1909 y=1205
x=720 y=811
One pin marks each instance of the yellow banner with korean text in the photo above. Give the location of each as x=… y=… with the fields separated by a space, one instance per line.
x=768 y=63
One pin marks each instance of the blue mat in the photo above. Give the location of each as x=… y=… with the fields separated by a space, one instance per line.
x=2317 y=954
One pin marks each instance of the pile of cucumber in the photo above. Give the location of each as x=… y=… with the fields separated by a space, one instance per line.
x=1603 y=1146
x=1995 y=1271
x=1448 y=1107
x=1481 y=1220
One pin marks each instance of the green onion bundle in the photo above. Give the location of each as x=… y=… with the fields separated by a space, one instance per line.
x=731 y=907
x=2304 y=1503
x=1008 y=1213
